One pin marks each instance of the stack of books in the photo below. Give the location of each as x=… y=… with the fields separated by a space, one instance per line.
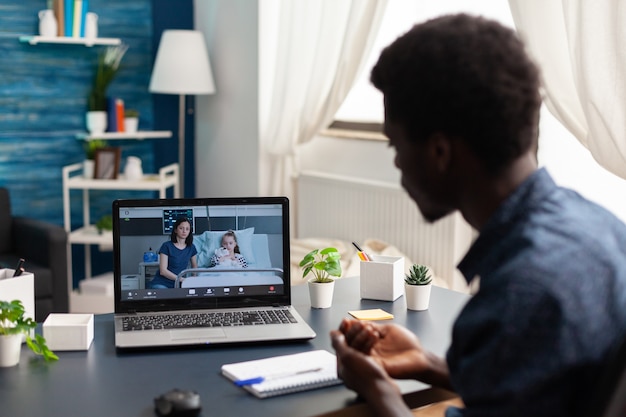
x=71 y=17
x=115 y=114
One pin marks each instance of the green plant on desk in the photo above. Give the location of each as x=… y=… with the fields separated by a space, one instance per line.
x=324 y=264
x=13 y=322
x=418 y=275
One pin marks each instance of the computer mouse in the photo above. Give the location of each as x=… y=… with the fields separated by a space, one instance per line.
x=178 y=403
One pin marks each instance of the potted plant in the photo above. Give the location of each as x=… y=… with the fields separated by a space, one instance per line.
x=106 y=69
x=131 y=120
x=90 y=147
x=323 y=264
x=105 y=223
x=14 y=326
x=417 y=286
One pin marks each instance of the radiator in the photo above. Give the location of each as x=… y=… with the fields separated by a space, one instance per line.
x=353 y=209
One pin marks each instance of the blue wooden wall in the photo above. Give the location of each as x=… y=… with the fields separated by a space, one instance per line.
x=43 y=90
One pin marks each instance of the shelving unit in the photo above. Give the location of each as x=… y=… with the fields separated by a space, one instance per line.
x=139 y=135
x=87 y=234
x=34 y=40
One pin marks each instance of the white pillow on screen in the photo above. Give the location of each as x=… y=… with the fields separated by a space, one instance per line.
x=211 y=240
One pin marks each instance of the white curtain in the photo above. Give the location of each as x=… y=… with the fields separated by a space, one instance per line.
x=580 y=46
x=311 y=52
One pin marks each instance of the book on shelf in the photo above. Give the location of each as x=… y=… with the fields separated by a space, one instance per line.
x=119 y=115
x=78 y=10
x=71 y=17
x=68 y=7
x=115 y=114
x=285 y=374
x=59 y=13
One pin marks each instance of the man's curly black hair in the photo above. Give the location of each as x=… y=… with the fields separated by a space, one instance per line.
x=467 y=77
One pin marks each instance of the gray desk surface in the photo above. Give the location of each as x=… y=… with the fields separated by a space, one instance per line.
x=101 y=382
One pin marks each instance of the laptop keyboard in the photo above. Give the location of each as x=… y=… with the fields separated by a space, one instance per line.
x=209 y=319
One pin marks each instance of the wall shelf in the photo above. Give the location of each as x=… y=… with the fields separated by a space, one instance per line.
x=146 y=134
x=34 y=40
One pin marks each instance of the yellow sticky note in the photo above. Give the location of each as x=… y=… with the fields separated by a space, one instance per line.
x=374 y=314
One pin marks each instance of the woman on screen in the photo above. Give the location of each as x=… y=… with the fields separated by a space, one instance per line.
x=175 y=255
x=228 y=255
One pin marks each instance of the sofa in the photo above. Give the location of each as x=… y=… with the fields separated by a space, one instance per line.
x=44 y=247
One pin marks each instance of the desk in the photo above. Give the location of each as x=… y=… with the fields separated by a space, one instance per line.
x=101 y=382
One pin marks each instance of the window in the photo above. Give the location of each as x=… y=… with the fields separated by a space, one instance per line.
x=362 y=111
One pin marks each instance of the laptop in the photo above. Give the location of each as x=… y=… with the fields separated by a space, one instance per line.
x=241 y=298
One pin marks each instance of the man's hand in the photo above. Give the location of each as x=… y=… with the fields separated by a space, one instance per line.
x=364 y=375
x=397 y=350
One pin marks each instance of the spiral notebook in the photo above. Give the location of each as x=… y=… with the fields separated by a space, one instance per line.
x=285 y=374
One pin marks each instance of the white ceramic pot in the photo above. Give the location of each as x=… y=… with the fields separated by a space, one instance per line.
x=91 y=25
x=131 y=124
x=321 y=294
x=10 y=349
x=88 y=167
x=417 y=296
x=96 y=122
x=133 y=170
x=47 y=23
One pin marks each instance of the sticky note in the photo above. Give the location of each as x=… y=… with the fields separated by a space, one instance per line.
x=374 y=314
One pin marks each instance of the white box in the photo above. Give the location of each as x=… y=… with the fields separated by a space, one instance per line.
x=382 y=278
x=18 y=288
x=66 y=331
x=97 y=286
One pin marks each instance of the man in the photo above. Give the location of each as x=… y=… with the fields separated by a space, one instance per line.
x=461 y=111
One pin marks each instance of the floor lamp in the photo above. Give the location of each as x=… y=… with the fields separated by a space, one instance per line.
x=182 y=67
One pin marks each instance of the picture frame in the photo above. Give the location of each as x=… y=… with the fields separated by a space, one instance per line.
x=107 y=163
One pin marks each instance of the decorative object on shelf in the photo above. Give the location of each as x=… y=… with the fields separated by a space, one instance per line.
x=47 y=23
x=104 y=223
x=107 y=163
x=133 y=170
x=131 y=120
x=417 y=286
x=13 y=327
x=182 y=67
x=107 y=67
x=91 y=147
x=324 y=264
x=91 y=25
x=96 y=121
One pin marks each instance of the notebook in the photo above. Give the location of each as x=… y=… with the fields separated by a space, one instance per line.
x=280 y=375
x=235 y=301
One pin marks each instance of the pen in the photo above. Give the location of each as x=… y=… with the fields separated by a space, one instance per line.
x=259 y=379
x=362 y=255
x=19 y=268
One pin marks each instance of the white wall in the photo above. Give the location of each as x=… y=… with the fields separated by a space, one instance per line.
x=227 y=122
x=227 y=125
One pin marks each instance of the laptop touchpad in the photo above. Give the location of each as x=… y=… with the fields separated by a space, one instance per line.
x=203 y=333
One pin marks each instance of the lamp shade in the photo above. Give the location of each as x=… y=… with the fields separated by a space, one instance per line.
x=182 y=64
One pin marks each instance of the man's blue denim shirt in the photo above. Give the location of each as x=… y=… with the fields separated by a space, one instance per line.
x=552 y=302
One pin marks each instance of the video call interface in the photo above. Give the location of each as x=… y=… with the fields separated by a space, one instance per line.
x=255 y=268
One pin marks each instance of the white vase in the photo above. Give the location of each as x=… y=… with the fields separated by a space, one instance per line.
x=321 y=293
x=10 y=349
x=88 y=167
x=96 y=122
x=91 y=25
x=131 y=124
x=47 y=23
x=417 y=296
x=133 y=170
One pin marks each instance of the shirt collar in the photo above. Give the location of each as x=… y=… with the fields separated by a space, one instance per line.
x=483 y=253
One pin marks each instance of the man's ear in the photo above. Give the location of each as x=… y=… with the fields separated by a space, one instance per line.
x=440 y=151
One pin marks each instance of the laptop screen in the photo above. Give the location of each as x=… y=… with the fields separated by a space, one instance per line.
x=200 y=253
